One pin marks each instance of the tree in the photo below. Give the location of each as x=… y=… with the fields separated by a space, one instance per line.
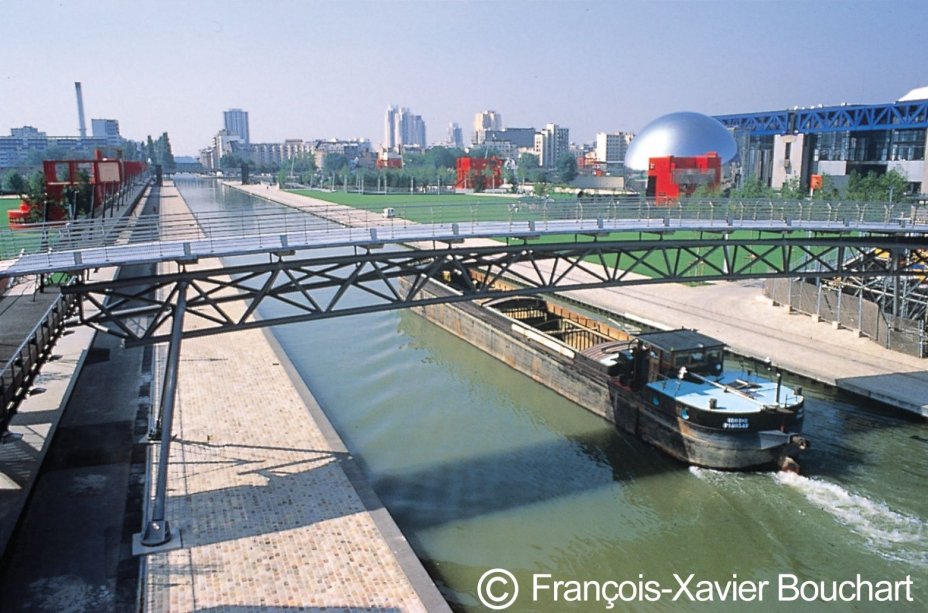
x=752 y=188
x=876 y=188
x=527 y=167
x=792 y=190
x=706 y=190
x=165 y=155
x=150 y=150
x=230 y=160
x=14 y=182
x=335 y=162
x=302 y=163
x=567 y=167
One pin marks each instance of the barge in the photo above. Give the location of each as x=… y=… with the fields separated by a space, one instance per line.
x=670 y=389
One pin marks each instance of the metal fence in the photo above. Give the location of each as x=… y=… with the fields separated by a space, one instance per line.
x=831 y=304
x=20 y=370
x=544 y=214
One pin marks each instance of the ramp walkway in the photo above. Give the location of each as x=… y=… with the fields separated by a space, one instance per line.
x=272 y=509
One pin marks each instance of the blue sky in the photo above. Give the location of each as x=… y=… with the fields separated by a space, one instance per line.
x=312 y=69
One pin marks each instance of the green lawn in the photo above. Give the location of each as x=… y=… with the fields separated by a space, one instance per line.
x=15 y=241
x=425 y=208
x=433 y=208
x=715 y=258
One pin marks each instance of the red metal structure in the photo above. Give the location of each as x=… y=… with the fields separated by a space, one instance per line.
x=670 y=177
x=479 y=173
x=104 y=177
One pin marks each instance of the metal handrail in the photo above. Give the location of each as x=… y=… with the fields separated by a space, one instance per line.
x=20 y=370
x=311 y=221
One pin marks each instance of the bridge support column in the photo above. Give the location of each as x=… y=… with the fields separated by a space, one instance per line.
x=157 y=535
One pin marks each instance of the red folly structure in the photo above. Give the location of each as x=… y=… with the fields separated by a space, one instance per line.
x=479 y=173
x=105 y=176
x=671 y=176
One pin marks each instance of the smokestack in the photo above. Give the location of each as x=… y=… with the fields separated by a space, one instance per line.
x=80 y=109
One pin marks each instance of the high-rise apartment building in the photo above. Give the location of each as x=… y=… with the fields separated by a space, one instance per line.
x=455 y=135
x=236 y=122
x=483 y=121
x=611 y=148
x=403 y=129
x=550 y=143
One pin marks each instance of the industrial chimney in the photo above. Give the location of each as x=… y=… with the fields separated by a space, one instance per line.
x=80 y=109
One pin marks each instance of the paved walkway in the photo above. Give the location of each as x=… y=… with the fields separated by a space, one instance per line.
x=741 y=316
x=260 y=487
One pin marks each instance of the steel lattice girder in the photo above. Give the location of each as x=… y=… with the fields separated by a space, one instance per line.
x=140 y=309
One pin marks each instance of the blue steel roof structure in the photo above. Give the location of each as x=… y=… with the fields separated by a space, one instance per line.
x=894 y=116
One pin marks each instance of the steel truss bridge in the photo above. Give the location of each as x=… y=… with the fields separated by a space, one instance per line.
x=542 y=247
x=548 y=247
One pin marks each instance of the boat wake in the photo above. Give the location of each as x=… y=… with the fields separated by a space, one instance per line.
x=708 y=474
x=893 y=535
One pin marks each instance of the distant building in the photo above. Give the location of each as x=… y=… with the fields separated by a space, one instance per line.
x=483 y=121
x=206 y=158
x=519 y=138
x=186 y=163
x=226 y=143
x=798 y=143
x=550 y=143
x=403 y=129
x=455 y=136
x=611 y=148
x=235 y=121
x=16 y=148
x=275 y=154
x=358 y=152
x=108 y=130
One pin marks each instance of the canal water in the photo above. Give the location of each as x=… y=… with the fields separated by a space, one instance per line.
x=484 y=469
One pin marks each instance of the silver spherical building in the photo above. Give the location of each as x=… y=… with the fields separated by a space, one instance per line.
x=682 y=134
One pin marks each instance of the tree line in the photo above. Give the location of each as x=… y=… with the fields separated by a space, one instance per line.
x=871 y=187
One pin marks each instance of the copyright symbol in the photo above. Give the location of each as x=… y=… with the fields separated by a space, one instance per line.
x=497 y=589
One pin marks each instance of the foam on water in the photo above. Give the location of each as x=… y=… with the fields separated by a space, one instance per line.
x=893 y=535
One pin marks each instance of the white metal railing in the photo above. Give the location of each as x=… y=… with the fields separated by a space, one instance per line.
x=306 y=226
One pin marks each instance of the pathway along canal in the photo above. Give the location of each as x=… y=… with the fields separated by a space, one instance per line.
x=482 y=468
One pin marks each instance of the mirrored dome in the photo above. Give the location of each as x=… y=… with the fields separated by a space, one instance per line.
x=680 y=134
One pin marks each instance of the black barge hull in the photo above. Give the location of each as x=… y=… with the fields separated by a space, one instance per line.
x=583 y=383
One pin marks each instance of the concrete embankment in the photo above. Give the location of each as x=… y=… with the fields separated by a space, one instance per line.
x=736 y=313
x=272 y=509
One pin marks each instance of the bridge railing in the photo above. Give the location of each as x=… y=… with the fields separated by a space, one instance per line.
x=348 y=222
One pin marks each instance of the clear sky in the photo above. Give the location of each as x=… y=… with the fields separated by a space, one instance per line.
x=311 y=69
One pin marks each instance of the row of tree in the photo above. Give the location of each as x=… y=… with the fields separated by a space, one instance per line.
x=159 y=152
x=433 y=167
x=871 y=187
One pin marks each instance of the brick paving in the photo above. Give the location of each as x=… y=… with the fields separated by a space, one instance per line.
x=269 y=518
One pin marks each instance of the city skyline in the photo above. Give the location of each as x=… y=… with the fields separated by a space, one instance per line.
x=333 y=68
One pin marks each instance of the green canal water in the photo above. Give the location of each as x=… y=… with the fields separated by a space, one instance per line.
x=484 y=469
